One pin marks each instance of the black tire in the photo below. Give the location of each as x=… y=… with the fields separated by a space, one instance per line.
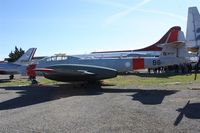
x=11 y=77
x=34 y=82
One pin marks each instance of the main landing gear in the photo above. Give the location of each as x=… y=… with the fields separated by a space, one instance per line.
x=33 y=80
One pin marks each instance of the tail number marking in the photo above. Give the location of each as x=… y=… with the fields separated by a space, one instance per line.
x=156 y=62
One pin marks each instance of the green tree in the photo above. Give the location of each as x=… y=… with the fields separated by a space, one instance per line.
x=13 y=56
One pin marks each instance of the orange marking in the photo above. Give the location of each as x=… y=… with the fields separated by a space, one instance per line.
x=30 y=70
x=173 y=37
x=138 y=63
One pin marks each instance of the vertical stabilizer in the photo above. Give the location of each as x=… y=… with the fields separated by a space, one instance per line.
x=193 y=27
x=26 y=56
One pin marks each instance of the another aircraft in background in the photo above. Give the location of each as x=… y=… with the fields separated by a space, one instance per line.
x=18 y=66
x=193 y=29
x=150 y=51
x=193 y=34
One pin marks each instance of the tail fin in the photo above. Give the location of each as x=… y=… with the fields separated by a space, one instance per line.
x=175 y=48
x=193 y=27
x=26 y=56
x=169 y=37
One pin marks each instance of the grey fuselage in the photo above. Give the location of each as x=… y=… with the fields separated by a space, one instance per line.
x=121 y=65
x=70 y=68
x=9 y=68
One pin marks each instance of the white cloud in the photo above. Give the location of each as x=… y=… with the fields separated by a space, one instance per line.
x=128 y=9
x=173 y=15
x=124 y=13
x=108 y=3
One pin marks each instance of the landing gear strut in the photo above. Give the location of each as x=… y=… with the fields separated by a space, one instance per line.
x=33 y=80
x=11 y=77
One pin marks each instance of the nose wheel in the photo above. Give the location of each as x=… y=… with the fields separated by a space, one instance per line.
x=33 y=80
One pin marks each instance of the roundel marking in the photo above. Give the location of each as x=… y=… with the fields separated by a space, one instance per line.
x=127 y=64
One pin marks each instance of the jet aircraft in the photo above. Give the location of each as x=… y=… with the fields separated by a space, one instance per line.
x=73 y=68
x=18 y=66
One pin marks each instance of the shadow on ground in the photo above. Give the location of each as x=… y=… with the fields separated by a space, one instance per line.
x=190 y=110
x=152 y=97
x=30 y=95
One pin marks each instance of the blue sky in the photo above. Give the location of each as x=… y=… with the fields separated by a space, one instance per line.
x=84 y=26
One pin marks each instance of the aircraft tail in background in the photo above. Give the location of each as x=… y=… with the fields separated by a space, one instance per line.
x=26 y=57
x=193 y=29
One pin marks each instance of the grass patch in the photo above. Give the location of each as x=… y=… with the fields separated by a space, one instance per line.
x=124 y=80
x=153 y=79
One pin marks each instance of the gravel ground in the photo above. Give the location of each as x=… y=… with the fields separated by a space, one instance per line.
x=62 y=108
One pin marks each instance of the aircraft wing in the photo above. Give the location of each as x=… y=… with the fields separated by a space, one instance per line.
x=64 y=71
x=76 y=72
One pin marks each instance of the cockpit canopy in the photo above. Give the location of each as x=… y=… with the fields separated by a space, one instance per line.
x=59 y=57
